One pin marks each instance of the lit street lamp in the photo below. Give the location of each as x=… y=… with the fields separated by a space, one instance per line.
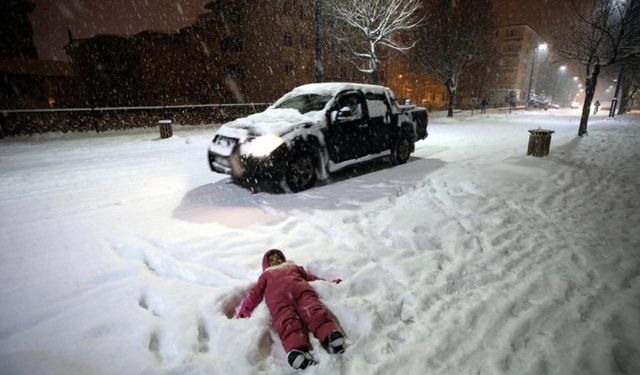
x=539 y=47
x=564 y=87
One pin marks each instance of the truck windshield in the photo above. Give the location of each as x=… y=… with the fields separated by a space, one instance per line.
x=306 y=103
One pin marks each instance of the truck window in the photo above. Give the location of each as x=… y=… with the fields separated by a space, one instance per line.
x=377 y=108
x=377 y=105
x=305 y=103
x=352 y=101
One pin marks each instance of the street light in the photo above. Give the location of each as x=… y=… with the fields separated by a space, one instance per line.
x=563 y=68
x=539 y=47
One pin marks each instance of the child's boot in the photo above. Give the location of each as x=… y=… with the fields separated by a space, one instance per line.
x=300 y=359
x=334 y=343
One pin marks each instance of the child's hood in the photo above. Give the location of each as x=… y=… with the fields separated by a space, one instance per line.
x=265 y=258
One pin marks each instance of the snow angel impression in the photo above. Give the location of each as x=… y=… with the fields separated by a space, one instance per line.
x=295 y=309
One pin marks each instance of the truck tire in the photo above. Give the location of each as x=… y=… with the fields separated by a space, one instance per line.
x=401 y=150
x=301 y=171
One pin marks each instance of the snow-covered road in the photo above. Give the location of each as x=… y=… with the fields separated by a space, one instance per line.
x=122 y=253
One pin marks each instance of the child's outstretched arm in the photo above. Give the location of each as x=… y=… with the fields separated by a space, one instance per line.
x=311 y=277
x=252 y=300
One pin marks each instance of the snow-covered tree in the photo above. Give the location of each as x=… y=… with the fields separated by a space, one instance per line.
x=367 y=25
x=455 y=36
x=605 y=32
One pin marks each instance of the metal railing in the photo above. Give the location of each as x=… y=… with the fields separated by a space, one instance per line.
x=15 y=122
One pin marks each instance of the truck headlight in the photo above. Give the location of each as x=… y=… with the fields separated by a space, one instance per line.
x=261 y=146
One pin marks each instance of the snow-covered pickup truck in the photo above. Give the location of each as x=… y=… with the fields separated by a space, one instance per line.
x=314 y=130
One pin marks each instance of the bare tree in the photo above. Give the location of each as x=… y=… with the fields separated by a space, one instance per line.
x=371 y=24
x=630 y=84
x=604 y=33
x=455 y=37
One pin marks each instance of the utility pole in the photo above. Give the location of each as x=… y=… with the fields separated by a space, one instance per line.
x=542 y=46
x=319 y=68
x=614 y=102
x=533 y=62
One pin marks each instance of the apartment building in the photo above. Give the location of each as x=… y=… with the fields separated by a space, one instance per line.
x=260 y=49
x=265 y=48
x=514 y=54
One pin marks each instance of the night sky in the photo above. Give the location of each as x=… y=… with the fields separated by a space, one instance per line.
x=89 y=17
x=125 y=17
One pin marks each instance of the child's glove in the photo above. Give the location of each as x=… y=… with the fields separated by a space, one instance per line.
x=337 y=281
x=244 y=312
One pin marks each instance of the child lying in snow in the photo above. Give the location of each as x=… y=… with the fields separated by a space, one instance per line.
x=294 y=307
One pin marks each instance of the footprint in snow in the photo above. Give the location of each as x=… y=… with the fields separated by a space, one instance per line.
x=203 y=337
x=152 y=304
x=154 y=346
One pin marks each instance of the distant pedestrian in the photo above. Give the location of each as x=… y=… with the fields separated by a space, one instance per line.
x=483 y=105
x=475 y=104
x=510 y=98
x=596 y=106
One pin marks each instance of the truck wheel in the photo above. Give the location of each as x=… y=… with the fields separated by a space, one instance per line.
x=401 y=151
x=301 y=173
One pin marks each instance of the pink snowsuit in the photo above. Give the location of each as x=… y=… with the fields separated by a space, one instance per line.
x=293 y=303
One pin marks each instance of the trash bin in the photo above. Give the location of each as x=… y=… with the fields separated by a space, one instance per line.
x=166 y=131
x=539 y=142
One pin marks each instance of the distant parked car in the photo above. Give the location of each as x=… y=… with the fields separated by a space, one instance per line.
x=535 y=103
x=575 y=105
x=317 y=129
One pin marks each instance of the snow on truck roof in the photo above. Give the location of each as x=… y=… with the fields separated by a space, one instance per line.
x=332 y=88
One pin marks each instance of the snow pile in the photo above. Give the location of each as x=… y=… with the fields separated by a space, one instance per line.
x=125 y=254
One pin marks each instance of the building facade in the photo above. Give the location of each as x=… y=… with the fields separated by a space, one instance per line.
x=511 y=72
x=238 y=51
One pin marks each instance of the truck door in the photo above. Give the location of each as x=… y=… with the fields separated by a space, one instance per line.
x=380 y=123
x=348 y=131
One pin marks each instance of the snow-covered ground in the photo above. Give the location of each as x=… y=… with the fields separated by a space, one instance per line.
x=123 y=254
